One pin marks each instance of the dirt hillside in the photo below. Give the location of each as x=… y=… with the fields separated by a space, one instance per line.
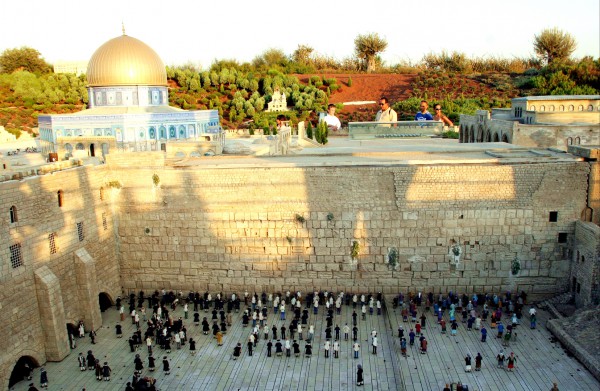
x=369 y=87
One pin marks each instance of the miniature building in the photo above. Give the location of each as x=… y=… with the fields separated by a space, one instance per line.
x=128 y=108
x=537 y=121
x=278 y=102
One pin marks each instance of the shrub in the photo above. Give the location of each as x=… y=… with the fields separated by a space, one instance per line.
x=309 y=130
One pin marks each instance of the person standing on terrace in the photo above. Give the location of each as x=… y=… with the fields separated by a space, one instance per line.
x=385 y=113
x=423 y=114
x=439 y=116
x=333 y=122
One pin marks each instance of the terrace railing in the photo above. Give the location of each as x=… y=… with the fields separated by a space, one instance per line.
x=395 y=130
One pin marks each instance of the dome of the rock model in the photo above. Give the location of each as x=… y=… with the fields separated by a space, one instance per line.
x=126 y=61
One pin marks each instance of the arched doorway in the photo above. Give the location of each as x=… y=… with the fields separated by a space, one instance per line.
x=20 y=370
x=105 y=301
x=488 y=135
x=496 y=138
x=504 y=138
x=72 y=333
x=92 y=150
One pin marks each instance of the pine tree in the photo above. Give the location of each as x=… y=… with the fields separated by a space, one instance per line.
x=309 y=130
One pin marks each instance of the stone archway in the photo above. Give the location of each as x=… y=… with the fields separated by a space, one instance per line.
x=505 y=139
x=479 y=134
x=92 y=150
x=461 y=134
x=496 y=137
x=105 y=301
x=488 y=136
x=19 y=372
x=472 y=134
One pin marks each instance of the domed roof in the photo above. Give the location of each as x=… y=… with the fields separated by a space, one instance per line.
x=126 y=61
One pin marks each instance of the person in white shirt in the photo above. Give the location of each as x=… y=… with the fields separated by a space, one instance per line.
x=386 y=113
x=333 y=122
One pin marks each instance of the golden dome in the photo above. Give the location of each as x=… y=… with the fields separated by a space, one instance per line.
x=126 y=61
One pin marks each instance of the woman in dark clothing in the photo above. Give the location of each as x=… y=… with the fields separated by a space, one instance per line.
x=166 y=365
x=91 y=360
x=237 y=351
x=205 y=326
x=139 y=365
x=359 y=376
x=308 y=349
x=106 y=371
x=98 y=370
x=151 y=364
x=44 y=378
x=192 y=346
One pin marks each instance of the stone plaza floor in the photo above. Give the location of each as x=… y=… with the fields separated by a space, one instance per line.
x=540 y=361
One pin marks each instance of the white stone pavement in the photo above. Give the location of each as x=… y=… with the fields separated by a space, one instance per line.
x=540 y=361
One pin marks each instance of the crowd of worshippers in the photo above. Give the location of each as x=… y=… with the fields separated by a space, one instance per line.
x=165 y=331
x=467 y=307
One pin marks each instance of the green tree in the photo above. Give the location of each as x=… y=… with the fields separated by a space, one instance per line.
x=302 y=54
x=24 y=58
x=366 y=47
x=321 y=134
x=553 y=44
x=309 y=130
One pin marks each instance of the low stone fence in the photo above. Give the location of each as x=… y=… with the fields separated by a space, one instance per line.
x=558 y=329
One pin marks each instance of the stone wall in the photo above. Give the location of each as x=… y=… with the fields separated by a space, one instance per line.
x=232 y=229
x=556 y=135
x=585 y=273
x=43 y=293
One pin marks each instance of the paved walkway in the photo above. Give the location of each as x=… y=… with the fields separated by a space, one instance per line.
x=540 y=361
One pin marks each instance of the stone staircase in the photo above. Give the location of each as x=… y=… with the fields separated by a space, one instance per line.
x=550 y=304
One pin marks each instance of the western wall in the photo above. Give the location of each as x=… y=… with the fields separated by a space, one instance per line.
x=235 y=223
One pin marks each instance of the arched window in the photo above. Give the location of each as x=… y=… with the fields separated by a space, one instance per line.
x=80 y=147
x=542 y=108
x=532 y=108
x=13 y=214
x=551 y=108
x=172 y=133
x=580 y=108
x=577 y=140
x=590 y=108
x=60 y=198
x=569 y=141
x=561 y=108
x=571 y=108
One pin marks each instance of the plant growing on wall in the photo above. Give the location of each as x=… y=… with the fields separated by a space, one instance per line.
x=329 y=216
x=516 y=266
x=455 y=252
x=393 y=257
x=114 y=184
x=355 y=249
x=156 y=179
x=300 y=218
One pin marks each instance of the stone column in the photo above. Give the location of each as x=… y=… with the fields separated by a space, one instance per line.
x=52 y=314
x=87 y=289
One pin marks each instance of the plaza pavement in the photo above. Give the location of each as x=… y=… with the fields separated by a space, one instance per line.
x=540 y=361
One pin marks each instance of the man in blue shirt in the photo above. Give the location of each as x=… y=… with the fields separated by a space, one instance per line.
x=424 y=115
